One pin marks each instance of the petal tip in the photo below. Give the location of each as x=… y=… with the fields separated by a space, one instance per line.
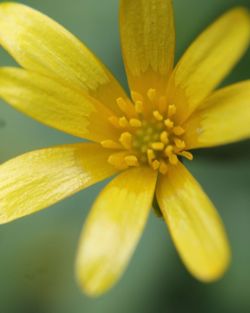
x=90 y=284
x=215 y=271
x=242 y=13
x=241 y=10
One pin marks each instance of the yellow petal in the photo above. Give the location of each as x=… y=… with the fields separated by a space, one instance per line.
x=55 y=104
x=113 y=228
x=41 y=45
x=209 y=59
x=223 y=118
x=148 y=42
x=37 y=179
x=194 y=224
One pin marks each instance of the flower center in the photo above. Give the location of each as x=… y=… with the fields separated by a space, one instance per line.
x=149 y=134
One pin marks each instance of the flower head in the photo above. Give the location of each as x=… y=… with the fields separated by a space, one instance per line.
x=141 y=139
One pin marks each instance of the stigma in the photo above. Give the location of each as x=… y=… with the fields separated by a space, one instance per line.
x=149 y=134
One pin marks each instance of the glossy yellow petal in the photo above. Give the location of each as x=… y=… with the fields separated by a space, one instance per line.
x=194 y=224
x=55 y=104
x=40 y=44
x=223 y=118
x=37 y=179
x=209 y=59
x=148 y=42
x=113 y=228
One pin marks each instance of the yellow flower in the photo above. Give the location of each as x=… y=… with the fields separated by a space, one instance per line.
x=142 y=139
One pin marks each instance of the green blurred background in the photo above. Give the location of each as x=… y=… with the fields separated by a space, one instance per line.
x=37 y=252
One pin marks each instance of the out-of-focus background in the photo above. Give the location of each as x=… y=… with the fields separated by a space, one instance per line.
x=37 y=252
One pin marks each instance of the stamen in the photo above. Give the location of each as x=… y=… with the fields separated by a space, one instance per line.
x=163 y=167
x=131 y=160
x=134 y=122
x=158 y=146
x=123 y=122
x=117 y=160
x=173 y=159
x=114 y=120
x=171 y=110
x=139 y=106
x=178 y=131
x=151 y=93
x=126 y=107
x=155 y=165
x=110 y=144
x=136 y=96
x=179 y=143
x=164 y=137
x=122 y=104
x=148 y=134
x=150 y=155
x=169 y=123
x=169 y=150
x=126 y=140
x=157 y=115
x=187 y=155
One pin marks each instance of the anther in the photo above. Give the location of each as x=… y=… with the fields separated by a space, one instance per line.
x=178 y=130
x=171 y=110
x=136 y=96
x=155 y=165
x=158 y=146
x=169 y=123
x=122 y=104
x=187 y=155
x=157 y=115
x=110 y=144
x=151 y=93
x=150 y=155
x=152 y=139
x=134 y=122
x=169 y=150
x=131 y=160
x=173 y=159
x=114 y=120
x=163 y=167
x=139 y=106
x=123 y=122
x=126 y=140
x=126 y=107
x=179 y=143
x=117 y=160
x=164 y=137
